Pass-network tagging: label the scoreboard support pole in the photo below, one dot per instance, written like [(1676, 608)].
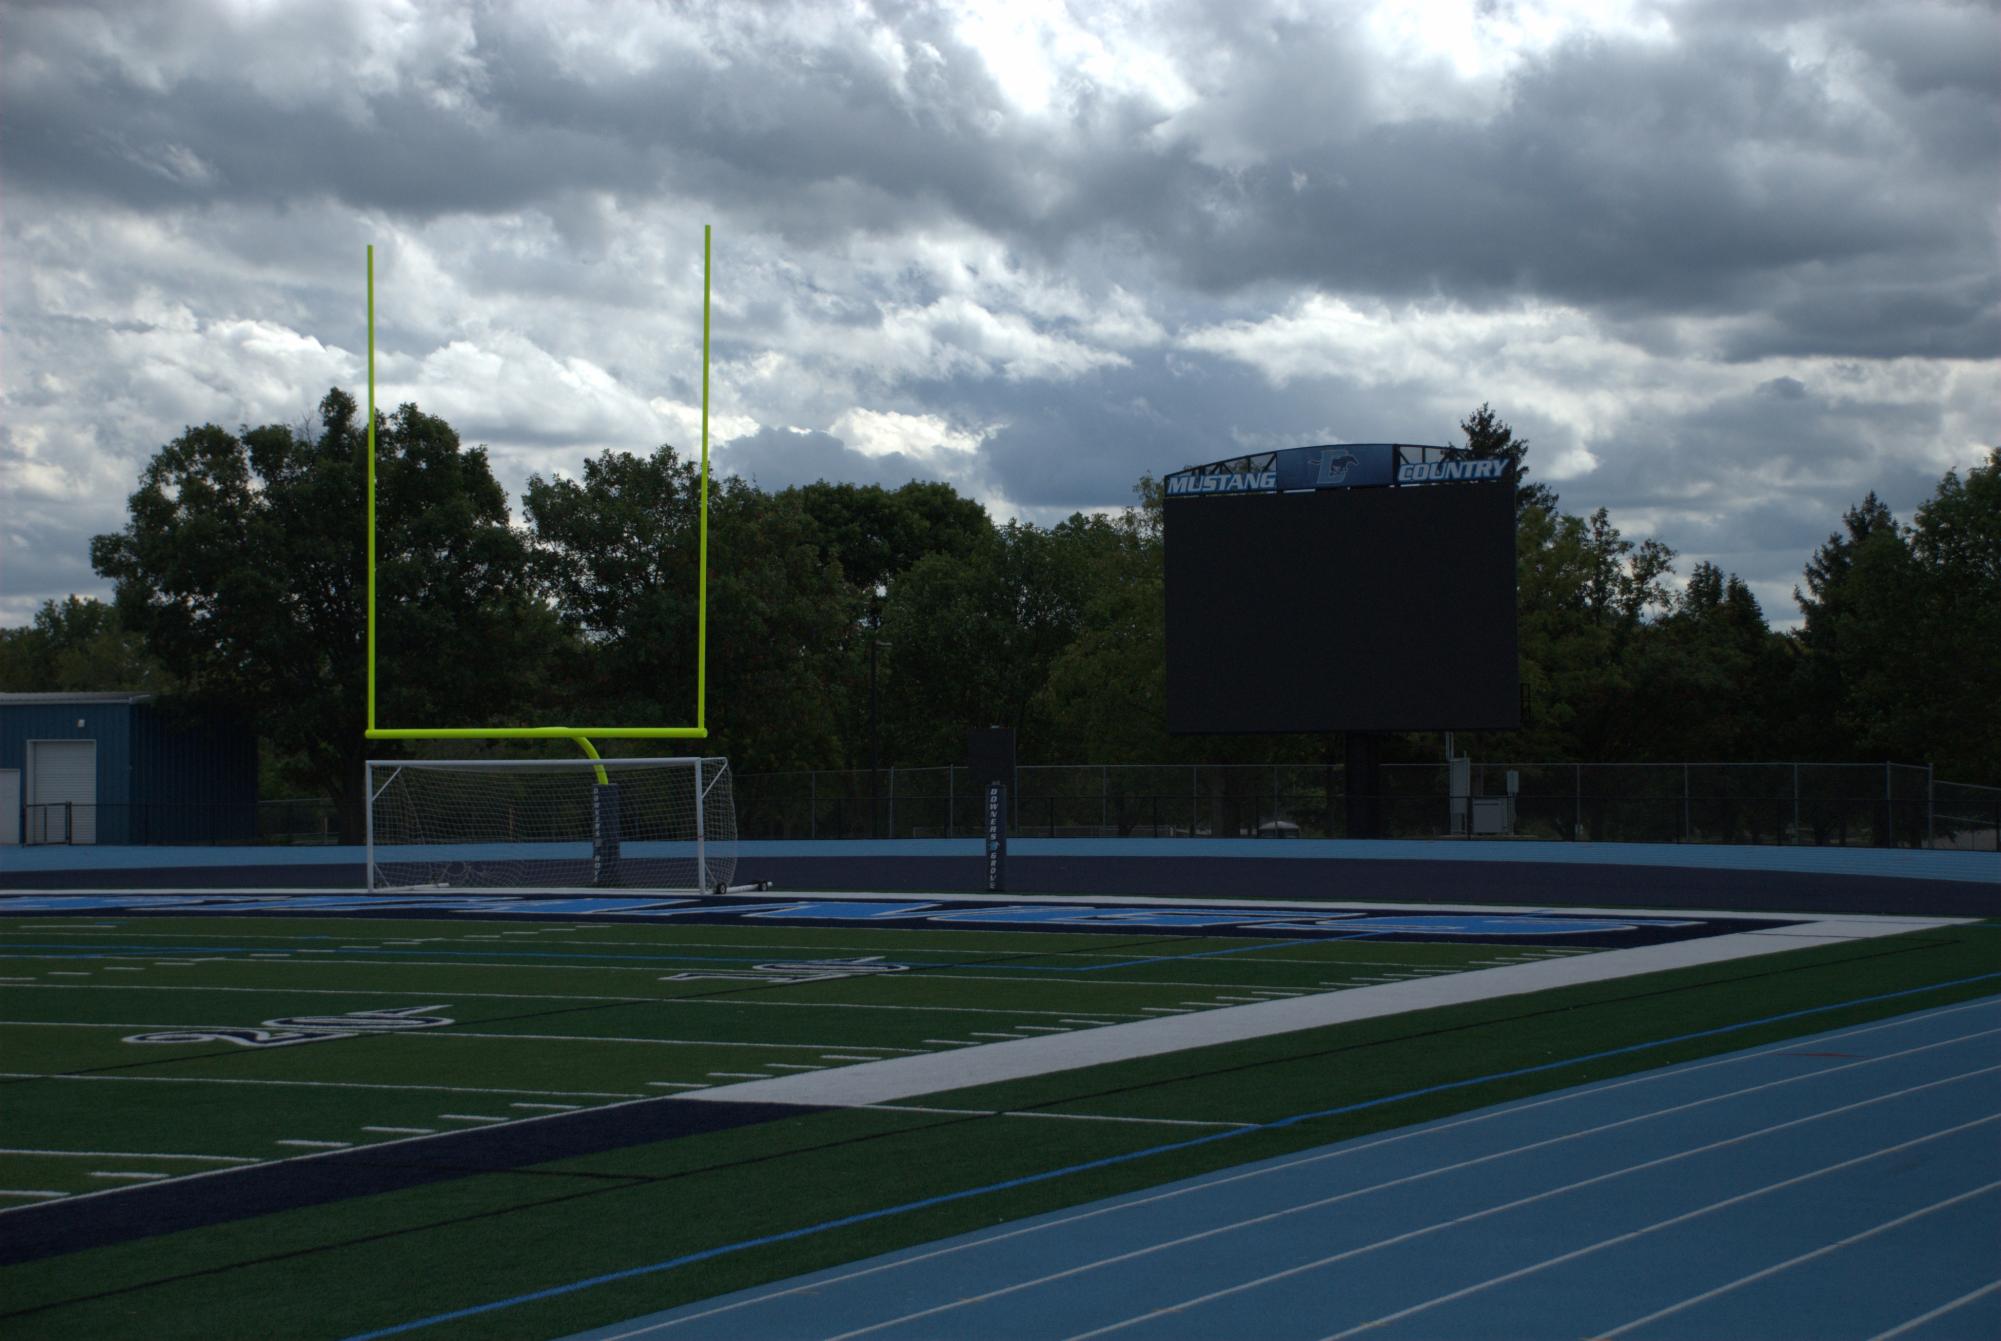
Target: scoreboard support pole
[(1364, 783)]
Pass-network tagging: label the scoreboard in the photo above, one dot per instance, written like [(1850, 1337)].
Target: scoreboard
[(1360, 587)]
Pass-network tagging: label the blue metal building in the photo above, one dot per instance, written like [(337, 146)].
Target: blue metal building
[(121, 768)]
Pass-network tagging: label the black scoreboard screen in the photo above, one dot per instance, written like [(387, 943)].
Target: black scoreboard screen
[(1348, 609)]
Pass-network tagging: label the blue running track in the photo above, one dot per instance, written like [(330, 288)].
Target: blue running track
[(1845, 1185)]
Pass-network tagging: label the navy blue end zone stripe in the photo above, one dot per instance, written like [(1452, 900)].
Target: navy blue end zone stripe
[(120, 1215), (1083, 915)]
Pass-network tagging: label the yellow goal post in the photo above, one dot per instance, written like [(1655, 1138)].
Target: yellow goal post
[(581, 735)]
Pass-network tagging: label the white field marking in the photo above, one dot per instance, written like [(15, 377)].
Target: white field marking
[(947, 1043), (987, 1033), (918, 1108), (1108, 1117), (1041, 1028), (1683, 1218), (403, 1131), (677, 1084), (472, 1117), (1093, 1023), (742, 1075), (24, 1192), (65, 973), (1268, 1168), (559, 1108), (1791, 1262), (856, 1005), (794, 1066), (1948, 1306), (319, 1145), (316, 1084), (120, 968), (853, 1056), (130, 1154), (910, 1077), (1482, 1214), (599, 1038), (1239, 998), (357, 991), (130, 1177), (1165, 1010)]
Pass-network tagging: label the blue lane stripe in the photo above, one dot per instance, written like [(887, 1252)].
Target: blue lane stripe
[(863, 1217)]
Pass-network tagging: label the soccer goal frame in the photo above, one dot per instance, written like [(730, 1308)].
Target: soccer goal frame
[(580, 735), (550, 825)]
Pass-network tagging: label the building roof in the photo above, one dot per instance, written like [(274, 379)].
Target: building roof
[(78, 696)]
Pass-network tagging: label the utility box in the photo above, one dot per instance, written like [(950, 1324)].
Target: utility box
[(122, 768)]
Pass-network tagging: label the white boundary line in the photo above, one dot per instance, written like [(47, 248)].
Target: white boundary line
[(936, 1073), (1948, 1306)]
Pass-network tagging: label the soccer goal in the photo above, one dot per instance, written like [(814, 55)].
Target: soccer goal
[(551, 824)]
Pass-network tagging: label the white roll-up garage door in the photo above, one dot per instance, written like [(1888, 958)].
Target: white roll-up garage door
[(62, 771)]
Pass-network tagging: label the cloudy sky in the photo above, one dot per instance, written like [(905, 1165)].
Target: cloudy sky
[(1727, 264)]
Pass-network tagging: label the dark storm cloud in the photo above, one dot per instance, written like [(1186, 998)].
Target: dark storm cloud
[(1702, 175)]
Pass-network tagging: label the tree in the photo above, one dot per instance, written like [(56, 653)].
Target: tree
[(1898, 649), (618, 551), (1488, 437), (78, 644), (242, 566), (876, 533)]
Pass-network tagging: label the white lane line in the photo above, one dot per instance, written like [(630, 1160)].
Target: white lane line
[(1108, 1117), (134, 1177), (1041, 1029), (941, 1042), (678, 1084), (471, 1117), (793, 1066), (403, 1131), (1791, 1262), (128, 1154), (855, 1057), (1948, 1306), (1353, 1193), (26, 1192), (65, 973), (554, 1108), (315, 1084), (317, 1145), (988, 1033), (1672, 1220), (742, 1075), (1362, 1146)]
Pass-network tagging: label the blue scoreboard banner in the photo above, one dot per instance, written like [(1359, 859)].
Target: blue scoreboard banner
[(1352, 465)]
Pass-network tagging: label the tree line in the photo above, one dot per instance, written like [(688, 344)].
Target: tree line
[(850, 622)]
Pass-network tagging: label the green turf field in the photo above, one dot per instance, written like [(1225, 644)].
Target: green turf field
[(549, 1018)]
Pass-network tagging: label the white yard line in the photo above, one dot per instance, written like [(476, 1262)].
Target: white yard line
[(933, 1073), (311, 1084), (128, 1154)]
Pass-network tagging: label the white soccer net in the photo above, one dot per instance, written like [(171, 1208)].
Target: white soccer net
[(550, 824)]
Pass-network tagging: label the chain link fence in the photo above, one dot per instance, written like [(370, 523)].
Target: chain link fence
[(1823, 805)]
